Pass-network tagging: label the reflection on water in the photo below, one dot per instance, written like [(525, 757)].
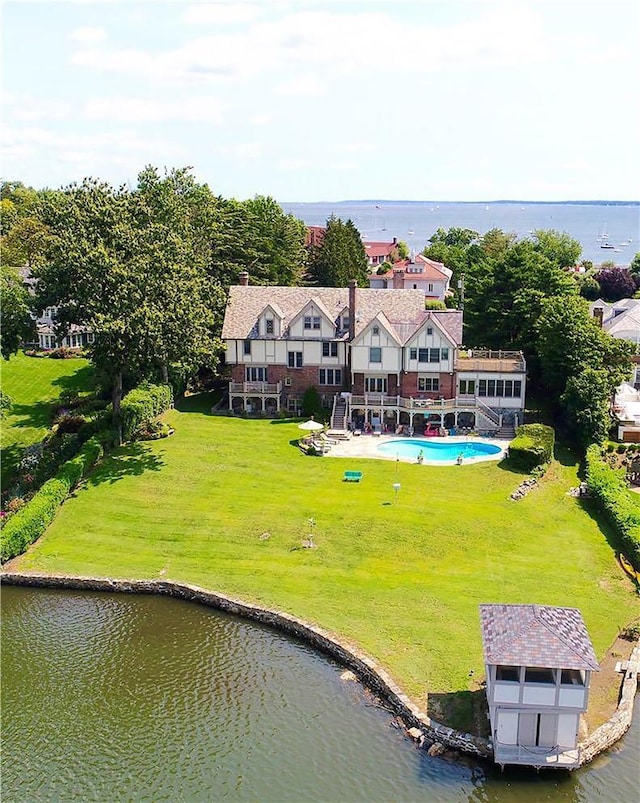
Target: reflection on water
[(112, 697)]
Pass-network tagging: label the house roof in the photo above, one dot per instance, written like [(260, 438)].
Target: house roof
[(536, 635), (377, 249), (404, 309), (429, 269)]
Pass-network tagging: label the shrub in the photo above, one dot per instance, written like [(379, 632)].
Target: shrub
[(143, 403), (5, 404), (532, 446), (609, 488), (30, 521), (70, 423), (312, 403)]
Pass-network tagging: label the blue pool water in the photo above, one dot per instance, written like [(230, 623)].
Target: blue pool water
[(410, 448)]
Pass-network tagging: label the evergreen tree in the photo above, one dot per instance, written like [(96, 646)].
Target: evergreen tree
[(340, 257)]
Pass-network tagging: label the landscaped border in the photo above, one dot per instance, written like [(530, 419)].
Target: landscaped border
[(375, 678)]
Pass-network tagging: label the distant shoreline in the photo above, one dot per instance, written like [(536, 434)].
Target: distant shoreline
[(504, 202)]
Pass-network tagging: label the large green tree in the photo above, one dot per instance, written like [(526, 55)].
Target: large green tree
[(340, 256), (16, 323), (131, 265)]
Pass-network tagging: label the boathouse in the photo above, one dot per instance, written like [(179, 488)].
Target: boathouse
[(538, 663)]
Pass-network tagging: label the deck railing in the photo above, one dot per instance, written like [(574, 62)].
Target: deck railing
[(259, 388)]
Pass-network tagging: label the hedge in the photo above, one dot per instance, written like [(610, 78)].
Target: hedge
[(609, 488), (143, 404), (28, 524), (532, 446)]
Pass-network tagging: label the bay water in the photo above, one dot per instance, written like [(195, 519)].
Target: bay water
[(415, 221), (114, 697)]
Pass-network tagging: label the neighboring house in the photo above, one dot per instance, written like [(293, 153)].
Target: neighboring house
[(314, 235), (538, 664), (416, 273), (375, 357), (77, 337), (377, 253), (621, 319)]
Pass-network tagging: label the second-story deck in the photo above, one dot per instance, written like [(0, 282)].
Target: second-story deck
[(487, 360)]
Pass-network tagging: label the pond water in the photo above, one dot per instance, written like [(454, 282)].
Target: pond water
[(112, 697), (439, 451)]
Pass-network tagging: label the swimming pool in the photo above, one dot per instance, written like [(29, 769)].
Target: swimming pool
[(440, 451)]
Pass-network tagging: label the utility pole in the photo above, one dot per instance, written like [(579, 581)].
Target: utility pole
[(461, 288)]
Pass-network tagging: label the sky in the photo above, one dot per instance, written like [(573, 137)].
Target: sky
[(327, 101)]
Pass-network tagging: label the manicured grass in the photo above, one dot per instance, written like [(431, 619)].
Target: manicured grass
[(402, 580), (32, 384)]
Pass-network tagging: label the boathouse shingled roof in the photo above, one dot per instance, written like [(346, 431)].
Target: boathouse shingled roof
[(537, 636)]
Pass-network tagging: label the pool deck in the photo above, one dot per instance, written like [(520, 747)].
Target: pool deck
[(367, 446)]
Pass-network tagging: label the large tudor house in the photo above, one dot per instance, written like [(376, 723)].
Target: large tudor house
[(376, 357)]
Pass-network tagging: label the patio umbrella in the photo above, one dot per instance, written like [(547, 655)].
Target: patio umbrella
[(311, 426)]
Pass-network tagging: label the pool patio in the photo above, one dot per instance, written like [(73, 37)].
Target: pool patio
[(367, 446)]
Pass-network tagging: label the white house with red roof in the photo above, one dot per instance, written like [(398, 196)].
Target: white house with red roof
[(538, 663), (416, 273), (378, 252)]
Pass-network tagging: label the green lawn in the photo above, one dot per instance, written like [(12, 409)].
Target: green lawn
[(32, 384), (403, 580)]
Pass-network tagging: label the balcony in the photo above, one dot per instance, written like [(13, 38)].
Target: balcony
[(488, 360), (255, 388)]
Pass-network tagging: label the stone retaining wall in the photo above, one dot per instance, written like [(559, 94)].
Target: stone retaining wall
[(609, 733), (366, 669)]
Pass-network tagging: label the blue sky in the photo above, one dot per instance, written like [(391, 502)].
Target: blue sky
[(310, 101)]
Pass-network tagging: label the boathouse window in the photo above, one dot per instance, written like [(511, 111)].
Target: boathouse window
[(508, 673), (572, 677), (536, 674)]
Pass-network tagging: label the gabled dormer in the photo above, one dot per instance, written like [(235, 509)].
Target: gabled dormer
[(313, 321), (270, 322), (342, 321), (379, 331)]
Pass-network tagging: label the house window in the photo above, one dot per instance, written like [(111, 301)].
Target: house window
[(571, 677), (269, 325), (316, 321), (375, 354), (467, 387), (375, 384), (428, 383), (482, 387), (329, 349), (510, 674), (247, 347), (307, 321), (430, 287), (294, 406), (415, 286), (536, 674), (517, 388), (90, 337), (330, 376), (256, 373), (429, 330), (434, 355), (444, 354), (376, 330), (413, 354), (345, 321), (423, 355), (294, 359)]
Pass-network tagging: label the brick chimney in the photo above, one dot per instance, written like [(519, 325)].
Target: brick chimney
[(352, 308), (398, 279), (243, 278), (597, 314)]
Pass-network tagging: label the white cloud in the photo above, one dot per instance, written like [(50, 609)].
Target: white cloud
[(88, 36), (221, 13), (260, 119), (301, 85), (145, 110), (26, 108), (339, 43), (242, 151)]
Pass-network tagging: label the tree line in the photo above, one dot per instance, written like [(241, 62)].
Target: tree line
[(147, 268)]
